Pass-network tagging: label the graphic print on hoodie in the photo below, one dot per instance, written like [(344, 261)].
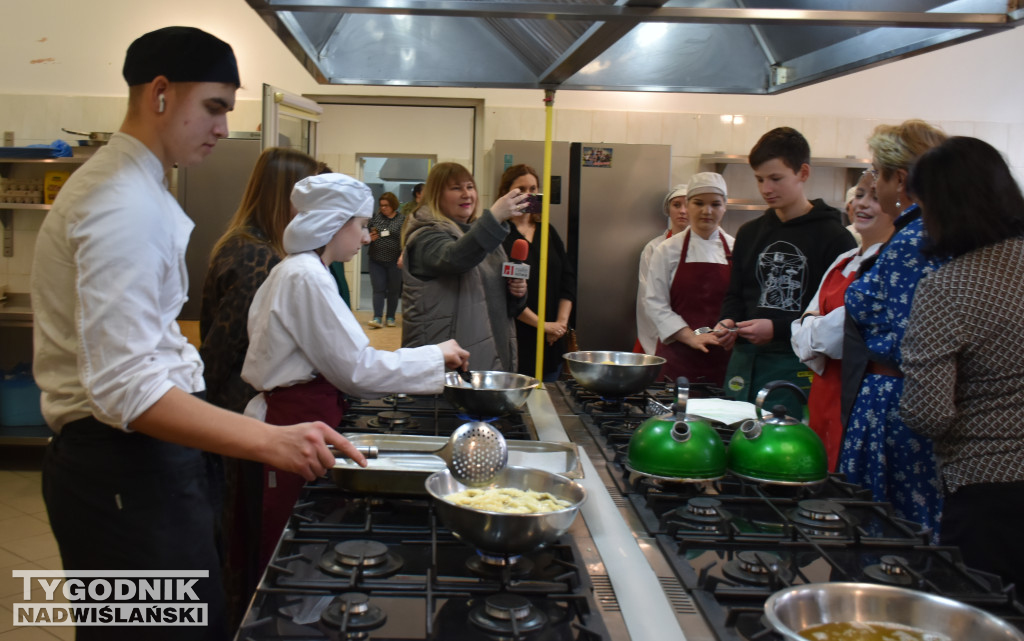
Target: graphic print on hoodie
[(782, 275)]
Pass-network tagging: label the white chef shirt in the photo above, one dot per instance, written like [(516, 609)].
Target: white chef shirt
[(815, 338), (664, 263), (108, 282), (299, 326), (646, 332)]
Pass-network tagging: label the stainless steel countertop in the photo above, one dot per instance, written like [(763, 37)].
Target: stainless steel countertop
[(640, 576)]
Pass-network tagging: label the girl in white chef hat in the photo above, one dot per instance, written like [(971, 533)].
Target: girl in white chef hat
[(306, 348)]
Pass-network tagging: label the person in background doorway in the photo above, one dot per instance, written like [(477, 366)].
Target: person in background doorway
[(779, 259), (674, 208), (962, 355), (385, 250), (879, 451), (561, 282), (126, 484), (817, 336), (686, 284), (239, 263), (307, 350), (452, 282), (417, 199), (407, 210)]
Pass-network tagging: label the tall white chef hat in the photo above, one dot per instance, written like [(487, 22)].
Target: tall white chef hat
[(677, 191), (325, 203)]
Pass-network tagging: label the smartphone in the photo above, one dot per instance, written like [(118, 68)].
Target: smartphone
[(533, 203)]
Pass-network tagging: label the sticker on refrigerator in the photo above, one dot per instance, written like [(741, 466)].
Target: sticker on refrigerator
[(597, 156)]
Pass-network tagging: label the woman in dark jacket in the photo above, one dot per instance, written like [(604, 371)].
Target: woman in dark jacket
[(561, 283)]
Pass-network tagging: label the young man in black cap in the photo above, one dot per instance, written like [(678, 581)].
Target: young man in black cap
[(123, 486)]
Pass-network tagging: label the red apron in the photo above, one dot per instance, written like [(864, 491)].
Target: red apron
[(696, 295), (823, 401), (315, 400)]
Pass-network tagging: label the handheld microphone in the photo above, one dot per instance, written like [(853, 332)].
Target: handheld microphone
[(517, 267)]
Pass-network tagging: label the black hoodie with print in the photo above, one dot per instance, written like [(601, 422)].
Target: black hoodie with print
[(778, 266)]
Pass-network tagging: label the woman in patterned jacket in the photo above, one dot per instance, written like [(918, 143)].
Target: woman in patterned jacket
[(962, 355), (878, 450)]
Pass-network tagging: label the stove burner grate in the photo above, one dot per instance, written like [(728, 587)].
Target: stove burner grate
[(392, 419), (508, 614), (497, 566), (702, 513), (757, 568), (370, 558), (891, 569), (352, 611)]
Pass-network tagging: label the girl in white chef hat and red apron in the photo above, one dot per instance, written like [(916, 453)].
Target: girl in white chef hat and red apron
[(306, 348), (686, 283)]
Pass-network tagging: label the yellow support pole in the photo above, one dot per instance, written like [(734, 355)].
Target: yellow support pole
[(545, 214)]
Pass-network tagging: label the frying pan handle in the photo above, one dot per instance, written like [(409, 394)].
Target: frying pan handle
[(369, 451)]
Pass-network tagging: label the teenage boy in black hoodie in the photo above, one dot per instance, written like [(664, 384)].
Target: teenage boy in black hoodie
[(778, 262)]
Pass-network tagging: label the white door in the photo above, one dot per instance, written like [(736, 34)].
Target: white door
[(289, 120)]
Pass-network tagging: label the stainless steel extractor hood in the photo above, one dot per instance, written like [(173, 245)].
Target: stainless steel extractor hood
[(715, 46)]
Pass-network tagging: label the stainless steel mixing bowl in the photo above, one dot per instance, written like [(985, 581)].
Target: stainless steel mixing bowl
[(800, 607), (489, 394), (502, 533), (613, 374)]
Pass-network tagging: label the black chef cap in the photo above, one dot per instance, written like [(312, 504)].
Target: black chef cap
[(181, 54)]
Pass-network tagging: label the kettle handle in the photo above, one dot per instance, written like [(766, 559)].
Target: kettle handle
[(769, 388), (682, 396)]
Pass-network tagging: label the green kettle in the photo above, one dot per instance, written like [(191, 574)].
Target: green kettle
[(778, 449), (677, 446)]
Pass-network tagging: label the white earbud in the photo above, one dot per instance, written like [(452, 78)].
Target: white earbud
[(163, 103)]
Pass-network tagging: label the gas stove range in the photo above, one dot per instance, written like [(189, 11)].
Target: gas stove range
[(422, 415), (357, 567), (373, 566), (732, 543)]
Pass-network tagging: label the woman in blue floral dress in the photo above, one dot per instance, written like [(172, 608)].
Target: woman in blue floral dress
[(879, 452)]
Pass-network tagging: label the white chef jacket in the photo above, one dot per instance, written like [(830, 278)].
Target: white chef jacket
[(299, 326), (646, 332), (108, 283), (815, 338), (664, 262)]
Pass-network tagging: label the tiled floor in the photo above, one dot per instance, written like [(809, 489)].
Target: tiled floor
[(25, 538)]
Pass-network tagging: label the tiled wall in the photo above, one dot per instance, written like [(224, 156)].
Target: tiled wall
[(38, 119)]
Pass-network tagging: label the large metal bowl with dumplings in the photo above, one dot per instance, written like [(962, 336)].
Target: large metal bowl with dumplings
[(488, 394), (854, 605), (613, 374), (500, 532)]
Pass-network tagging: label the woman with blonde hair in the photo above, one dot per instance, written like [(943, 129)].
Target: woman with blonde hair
[(452, 282), (878, 450), (239, 263)]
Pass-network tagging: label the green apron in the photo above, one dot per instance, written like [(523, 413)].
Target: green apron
[(751, 367)]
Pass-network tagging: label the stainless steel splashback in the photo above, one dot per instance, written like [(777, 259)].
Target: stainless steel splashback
[(716, 46)]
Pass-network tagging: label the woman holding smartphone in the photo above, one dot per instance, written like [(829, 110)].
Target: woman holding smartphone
[(561, 280)]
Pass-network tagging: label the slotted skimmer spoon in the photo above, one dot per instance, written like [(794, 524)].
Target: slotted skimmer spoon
[(474, 453)]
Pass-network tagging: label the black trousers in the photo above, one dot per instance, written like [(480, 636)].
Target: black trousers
[(985, 521), (126, 501)]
